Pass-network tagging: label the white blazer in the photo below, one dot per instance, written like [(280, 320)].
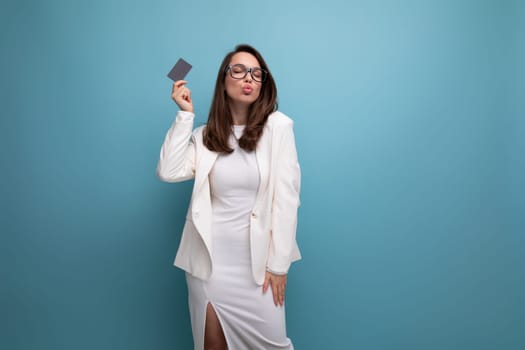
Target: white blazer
[(273, 223)]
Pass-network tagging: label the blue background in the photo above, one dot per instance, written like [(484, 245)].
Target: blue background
[(410, 126)]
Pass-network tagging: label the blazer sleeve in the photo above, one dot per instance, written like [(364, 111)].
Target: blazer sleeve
[(177, 154), (286, 202)]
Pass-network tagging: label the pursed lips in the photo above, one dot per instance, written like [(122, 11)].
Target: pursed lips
[(247, 89)]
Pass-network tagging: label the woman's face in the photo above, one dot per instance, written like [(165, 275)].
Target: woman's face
[(243, 91)]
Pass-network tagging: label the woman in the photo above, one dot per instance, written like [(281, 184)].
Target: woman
[(239, 237)]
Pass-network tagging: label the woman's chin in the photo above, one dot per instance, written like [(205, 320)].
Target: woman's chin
[(244, 100)]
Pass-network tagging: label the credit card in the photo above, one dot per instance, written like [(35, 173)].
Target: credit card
[(179, 70)]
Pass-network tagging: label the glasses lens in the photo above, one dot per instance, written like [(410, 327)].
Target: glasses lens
[(238, 71), (258, 75)]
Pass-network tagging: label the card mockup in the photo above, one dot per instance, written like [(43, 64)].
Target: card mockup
[(179, 70)]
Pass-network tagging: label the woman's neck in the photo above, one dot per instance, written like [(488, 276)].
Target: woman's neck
[(239, 114)]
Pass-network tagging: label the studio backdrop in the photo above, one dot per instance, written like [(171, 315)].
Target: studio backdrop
[(409, 123)]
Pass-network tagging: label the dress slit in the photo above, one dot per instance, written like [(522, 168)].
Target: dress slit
[(219, 318)]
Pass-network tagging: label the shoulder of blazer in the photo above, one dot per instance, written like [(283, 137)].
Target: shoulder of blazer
[(197, 135), (279, 120), (199, 130)]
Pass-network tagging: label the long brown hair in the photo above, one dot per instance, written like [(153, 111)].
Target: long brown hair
[(219, 126)]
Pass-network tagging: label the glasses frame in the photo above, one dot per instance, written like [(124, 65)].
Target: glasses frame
[(246, 71)]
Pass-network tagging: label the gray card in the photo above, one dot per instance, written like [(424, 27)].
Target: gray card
[(179, 70)]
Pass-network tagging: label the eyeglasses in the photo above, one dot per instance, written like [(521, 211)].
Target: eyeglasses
[(239, 71)]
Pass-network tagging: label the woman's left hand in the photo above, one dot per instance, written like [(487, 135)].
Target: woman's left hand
[(278, 286)]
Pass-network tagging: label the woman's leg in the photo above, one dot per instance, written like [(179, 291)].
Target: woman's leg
[(213, 334)]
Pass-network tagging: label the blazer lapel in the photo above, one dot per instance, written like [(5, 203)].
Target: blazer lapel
[(262, 154), (206, 163)]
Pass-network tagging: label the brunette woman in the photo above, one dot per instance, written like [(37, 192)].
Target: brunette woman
[(239, 237)]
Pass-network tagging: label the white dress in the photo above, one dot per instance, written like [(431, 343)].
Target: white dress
[(249, 318)]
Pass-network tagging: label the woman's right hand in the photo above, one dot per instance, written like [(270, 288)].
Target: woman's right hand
[(182, 96)]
